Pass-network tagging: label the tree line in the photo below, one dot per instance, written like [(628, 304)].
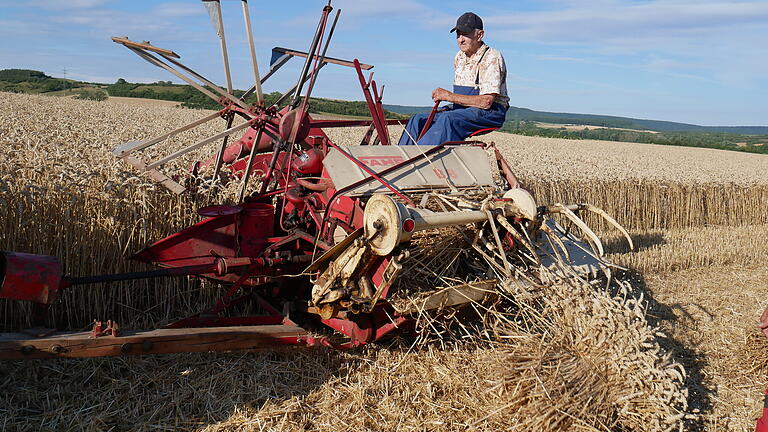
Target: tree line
[(716, 140)]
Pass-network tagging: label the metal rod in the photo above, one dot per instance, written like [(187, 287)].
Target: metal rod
[(173, 271), (271, 169), (291, 91), (252, 47), (155, 61), (380, 112), (250, 163), (167, 135), (377, 120), (337, 61), (428, 123), (321, 60), (209, 83), (275, 66), (197, 145), (222, 148), (317, 68), (311, 54)]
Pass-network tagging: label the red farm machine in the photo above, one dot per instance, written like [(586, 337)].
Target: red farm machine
[(320, 244)]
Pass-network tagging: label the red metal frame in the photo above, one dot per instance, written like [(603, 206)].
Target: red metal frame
[(256, 250)]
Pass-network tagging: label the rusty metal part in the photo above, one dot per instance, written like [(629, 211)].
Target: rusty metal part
[(29, 277), (110, 328)]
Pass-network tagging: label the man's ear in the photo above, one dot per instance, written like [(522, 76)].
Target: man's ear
[(480, 34)]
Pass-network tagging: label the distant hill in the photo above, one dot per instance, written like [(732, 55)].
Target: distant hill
[(525, 114), (522, 121)]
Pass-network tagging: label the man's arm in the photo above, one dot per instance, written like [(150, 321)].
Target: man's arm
[(483, 101)]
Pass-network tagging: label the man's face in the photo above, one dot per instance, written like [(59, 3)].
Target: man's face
[(469, 42)]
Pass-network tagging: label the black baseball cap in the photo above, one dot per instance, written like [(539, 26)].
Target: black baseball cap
[(468, 22)]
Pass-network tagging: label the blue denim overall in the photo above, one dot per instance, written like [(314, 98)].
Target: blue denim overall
[(456, 122)]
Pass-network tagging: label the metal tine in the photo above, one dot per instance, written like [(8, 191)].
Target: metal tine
[(197, 145), (513, 232), (558, 259), (553, 235), (252, 47), (565, 211), (118, 152), (157, 62), (496, 237), (611, 220), (321, 60), (310, 56)]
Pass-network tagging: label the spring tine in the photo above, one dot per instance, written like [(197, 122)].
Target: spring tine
[(553, 235), (565, 211), (518, 238), (612, 221), (498, 241)]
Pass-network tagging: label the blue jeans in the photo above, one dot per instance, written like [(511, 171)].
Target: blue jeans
[(454, 124)]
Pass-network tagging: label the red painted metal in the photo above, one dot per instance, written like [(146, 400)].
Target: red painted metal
[(28, 277), (428, 124), (218, 210), (260, 248), (213, 237), (376, 116), (256, 224), (360, 331), (762, 422), (482, 132), (350, 123)]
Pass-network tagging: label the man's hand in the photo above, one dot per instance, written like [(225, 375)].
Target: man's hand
[(440, 94), (764, 322)]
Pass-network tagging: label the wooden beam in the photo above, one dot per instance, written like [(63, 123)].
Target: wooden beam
[(326, 60), (155, 174), (129, 43), (18, 346)]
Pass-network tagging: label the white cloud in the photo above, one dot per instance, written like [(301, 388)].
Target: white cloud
[(628, 23), (65, 4), (178, 9)]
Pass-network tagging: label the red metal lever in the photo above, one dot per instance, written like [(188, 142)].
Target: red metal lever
[(428, 124)]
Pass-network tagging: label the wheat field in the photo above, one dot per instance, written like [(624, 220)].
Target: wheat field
[(697, 215)]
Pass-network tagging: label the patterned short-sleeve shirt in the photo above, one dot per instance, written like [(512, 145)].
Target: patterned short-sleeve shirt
[(485, 70)]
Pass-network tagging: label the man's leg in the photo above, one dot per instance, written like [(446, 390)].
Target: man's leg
[(457, 124), (414, 126)]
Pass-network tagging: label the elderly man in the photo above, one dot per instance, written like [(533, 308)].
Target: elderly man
[(479, 93)]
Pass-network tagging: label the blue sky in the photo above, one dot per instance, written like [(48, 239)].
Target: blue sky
[(702, 62)]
